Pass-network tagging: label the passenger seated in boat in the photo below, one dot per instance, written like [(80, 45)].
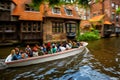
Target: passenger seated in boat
[(81, 44), (35, 50), (44, 49), (23, 55), (67, 46), (74, 45), (58, 47), (55, 45), (70, 44), (54, 50), (28, 48), (48, 47), (17, 53), (28, 51), (62, 48), (10, 57), (49, 50)]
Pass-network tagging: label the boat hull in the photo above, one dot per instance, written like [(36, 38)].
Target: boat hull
[(45, 58)]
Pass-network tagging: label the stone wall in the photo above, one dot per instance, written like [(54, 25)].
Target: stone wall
[(48, 36)]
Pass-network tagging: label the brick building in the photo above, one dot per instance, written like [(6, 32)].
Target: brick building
[(111, 20), (60, 23), (26, 23)]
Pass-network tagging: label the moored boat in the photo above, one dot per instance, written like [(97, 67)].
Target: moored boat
[(47, 57)]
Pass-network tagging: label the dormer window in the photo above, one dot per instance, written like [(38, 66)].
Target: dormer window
[(117, 18), (56, 10), (69, 12), (113, 5), (30, 8)]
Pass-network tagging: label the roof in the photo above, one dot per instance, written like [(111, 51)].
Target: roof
[(84, 23), (45, 11), (26, 15), (96, 18), (63, 14), (107, 22)]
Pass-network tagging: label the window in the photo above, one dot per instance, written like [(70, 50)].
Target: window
[(9, 28), (39, 28), (113, 5), (116, 7), (113, 16), (4, 5), (34, 26), (68, 11), (30, 8), (57, 27), (117, 18), (71, 27), (24, 27), (56, 10), (7, 5), (31, 27)]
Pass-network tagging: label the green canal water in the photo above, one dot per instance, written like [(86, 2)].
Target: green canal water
[(102, 62)]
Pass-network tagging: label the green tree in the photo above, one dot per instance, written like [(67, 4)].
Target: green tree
[(56, 2), (118, 10)]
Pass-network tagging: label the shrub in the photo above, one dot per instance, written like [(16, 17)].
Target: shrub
[(88, 36)]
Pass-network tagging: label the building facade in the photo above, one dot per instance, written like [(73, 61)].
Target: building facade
[(29, 20), (62, 23), (108, 9), (26, 23), (7, 26)]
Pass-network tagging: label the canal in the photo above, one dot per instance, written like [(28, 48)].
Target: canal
[(102, 62)]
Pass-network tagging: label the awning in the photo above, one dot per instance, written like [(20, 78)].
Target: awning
[(107, 22), (96, 18)]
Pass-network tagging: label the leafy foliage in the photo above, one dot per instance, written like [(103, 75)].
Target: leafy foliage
[(56, 2), (84, 3), (118, 10), (88, 36)]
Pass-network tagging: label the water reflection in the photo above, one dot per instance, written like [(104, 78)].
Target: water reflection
[(102, 62)]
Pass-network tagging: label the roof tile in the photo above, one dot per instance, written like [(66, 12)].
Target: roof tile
[(46, 9), (26, 15), (63, 14)]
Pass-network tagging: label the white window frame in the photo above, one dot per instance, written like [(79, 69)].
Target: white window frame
[(67, 12), (113, 5), (57, 11)]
